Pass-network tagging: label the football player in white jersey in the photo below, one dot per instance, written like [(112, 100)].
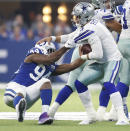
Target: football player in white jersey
[(123, 84), (31, 81), (104, 13), (124, 42), (106, 56)]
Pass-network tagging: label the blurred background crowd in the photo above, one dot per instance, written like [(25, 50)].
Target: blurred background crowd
[(24, 22), (34, 20)]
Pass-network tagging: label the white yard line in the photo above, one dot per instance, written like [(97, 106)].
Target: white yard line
[(75, 116)]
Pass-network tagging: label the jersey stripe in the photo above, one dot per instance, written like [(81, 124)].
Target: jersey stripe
[(84, 36), (109, 17), (81, 34)]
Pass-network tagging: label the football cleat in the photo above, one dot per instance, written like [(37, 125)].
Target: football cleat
[(89, 119), (87, 122), (45, 119), (125, 122), (20, 109), (112, 115)]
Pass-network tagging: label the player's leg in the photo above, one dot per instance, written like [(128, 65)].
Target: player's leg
[(111, 70), (15, 97), (89, 75), (123, 85), (41, 89), (123, 88), (68, 89)]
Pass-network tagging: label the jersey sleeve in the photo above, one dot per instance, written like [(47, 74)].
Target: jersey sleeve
[(65, 38), (108, 16), (83, 36), (118, 10)]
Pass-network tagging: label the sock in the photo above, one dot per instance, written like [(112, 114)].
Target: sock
[(110, 88), (123, 89), (45, 108), (16, 100), (53, 109), (85, 97), (104, 98), (46, 97), (114, 94), (63, 95)]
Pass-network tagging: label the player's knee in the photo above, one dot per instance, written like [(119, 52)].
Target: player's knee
[(46, 85), (8, 100)]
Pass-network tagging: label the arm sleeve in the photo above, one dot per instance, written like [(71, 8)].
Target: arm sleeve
[(64, 38), (97, 51), (108, 16)]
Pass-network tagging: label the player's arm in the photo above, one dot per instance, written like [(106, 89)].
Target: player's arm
[(64, 68), (97, 50), (111, 23), (58, 39), (114, 25), (46, 59)]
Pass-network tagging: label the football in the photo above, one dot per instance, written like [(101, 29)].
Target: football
[(86, 49)]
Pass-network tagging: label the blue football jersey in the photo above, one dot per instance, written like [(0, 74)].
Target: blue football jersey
[(29, 73)]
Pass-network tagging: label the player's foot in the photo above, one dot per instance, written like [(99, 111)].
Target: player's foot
[(89, 119), (20, 109), (112, 115), (45, 119), (122, 119), (87, 122), (123, 122)]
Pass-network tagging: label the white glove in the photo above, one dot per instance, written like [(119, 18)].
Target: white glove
[(70, 44)]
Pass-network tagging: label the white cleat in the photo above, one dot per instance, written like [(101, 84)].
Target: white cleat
[(121, 123), (89, 120), (20, 109), (112, 115)]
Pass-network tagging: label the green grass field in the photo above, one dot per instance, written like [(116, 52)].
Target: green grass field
[(72, 105)]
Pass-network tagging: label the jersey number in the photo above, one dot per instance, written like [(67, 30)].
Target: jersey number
[(39, 71), (124, 19)]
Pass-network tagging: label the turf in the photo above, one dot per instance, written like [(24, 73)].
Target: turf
[(13, 125), (73, 104)]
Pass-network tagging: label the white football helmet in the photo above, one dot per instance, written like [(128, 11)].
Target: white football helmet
[(46, 48), (84, 11)]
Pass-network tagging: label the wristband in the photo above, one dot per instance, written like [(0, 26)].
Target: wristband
[(84, 57), (53, 38)]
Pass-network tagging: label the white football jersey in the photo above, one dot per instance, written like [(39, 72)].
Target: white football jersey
[(103, 14), (109, 47), (125, 20)]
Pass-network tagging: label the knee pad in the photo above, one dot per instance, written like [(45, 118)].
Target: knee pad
[(8, 100)]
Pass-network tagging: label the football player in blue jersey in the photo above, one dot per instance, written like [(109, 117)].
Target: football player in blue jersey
[(31, 81)]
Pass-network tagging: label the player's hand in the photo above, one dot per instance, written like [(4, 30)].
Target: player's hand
[(46, 39), (80, 51), (70, 44)]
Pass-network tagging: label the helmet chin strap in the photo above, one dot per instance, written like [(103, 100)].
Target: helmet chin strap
[(78, 25)]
